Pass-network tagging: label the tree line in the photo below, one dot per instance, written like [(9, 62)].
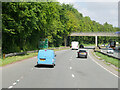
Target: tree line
[(24, 24)]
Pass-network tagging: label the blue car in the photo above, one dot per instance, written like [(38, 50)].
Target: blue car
[(46, 57)]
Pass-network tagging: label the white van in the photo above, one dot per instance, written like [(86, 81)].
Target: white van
[(75, 45)]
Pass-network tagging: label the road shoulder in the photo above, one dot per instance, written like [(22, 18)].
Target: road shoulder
[(109, 68)]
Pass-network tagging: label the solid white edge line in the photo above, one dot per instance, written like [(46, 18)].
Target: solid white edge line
[(73, 75), (10, 87), (102, 66)]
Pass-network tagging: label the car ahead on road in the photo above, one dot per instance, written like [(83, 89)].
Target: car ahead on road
[(108, 46), (46, 57), (81, 46), (110, 50), (82, 53)]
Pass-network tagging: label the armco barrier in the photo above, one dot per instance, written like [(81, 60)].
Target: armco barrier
[(22, 53), (108, 55)]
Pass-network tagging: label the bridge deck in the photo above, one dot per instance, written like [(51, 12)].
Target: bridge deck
[(94, 34)]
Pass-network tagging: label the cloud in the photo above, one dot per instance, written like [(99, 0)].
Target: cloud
[(71, 1), (99, 11)]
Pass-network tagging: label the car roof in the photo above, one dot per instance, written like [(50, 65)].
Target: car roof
[(47, 50)]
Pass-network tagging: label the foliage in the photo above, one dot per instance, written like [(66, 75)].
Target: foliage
[(24, 24)]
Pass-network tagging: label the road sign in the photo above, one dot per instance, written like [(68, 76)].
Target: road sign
[(43, 44)]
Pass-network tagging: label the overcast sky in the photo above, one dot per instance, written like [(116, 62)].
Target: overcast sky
[(98, 10)]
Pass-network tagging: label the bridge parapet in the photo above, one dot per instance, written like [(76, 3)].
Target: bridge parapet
[(94, 34)]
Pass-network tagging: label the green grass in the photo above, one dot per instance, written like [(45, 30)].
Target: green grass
[(108, 59), (89, 44), (13, 59)]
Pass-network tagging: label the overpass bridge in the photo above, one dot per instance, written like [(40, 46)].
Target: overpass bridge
[(96, 34)]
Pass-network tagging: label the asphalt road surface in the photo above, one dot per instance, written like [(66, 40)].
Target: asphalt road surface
[(69, 72)]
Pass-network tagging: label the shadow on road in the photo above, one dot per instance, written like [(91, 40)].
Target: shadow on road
[(43, 66), (81, 57)]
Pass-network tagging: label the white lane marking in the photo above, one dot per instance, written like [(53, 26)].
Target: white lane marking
[(14, 83), (32, 69), (18, 80), (70, 67), (73, 75), (10, 87), (70, 59), (102, 66)]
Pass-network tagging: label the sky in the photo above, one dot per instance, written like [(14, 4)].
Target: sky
[(98, 10)]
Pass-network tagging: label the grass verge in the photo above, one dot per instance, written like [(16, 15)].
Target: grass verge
[(108, 59), (13, 59), (89, 44)]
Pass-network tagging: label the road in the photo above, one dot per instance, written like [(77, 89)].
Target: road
[(69, 72), (115, 54)]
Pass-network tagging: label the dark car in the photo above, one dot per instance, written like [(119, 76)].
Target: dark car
[(82, 53), (81, 46)]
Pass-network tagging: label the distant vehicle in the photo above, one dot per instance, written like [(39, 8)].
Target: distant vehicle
[(82, 53), (75, 45), (110, 50), (46, 57), (81, 46), (103, 45), (113, 44)]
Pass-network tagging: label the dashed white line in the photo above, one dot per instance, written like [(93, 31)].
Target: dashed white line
[(73, 75), (102, 66), (70, 67), (18, 80), (10, 87), (14, 83)]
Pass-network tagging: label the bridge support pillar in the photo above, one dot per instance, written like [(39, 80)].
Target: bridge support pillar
[(96, 41), (65, 41)]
